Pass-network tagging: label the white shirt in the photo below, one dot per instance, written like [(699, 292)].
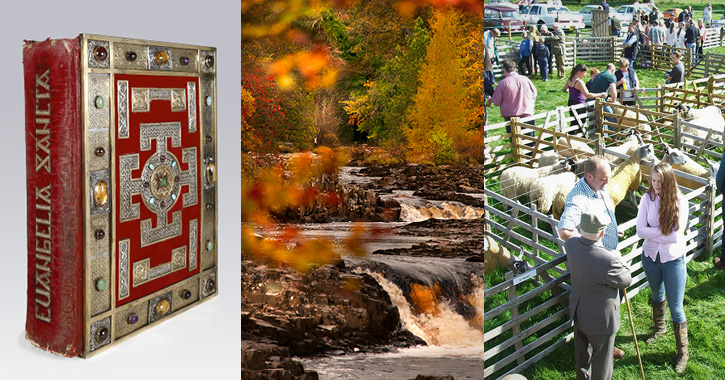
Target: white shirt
[(681, 39), (707, 14), (670, 38)]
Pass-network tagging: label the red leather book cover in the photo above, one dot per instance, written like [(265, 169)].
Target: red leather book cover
[(54, 185)]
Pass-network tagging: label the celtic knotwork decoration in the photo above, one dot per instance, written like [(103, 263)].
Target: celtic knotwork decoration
[(143, 272), (160, 182), (122, 109), (123, 253), (142, 98), (191, 93)]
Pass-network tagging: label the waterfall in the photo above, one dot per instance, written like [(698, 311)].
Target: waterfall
[(440, 302), (416, 209)]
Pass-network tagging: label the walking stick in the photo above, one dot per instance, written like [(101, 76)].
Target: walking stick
[(634, 335)]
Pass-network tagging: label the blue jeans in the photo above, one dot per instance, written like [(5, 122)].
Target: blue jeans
[(692, 48), (673, 275), (543, 67)]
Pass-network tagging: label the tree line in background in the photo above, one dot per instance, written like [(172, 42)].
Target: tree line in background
[(405, 75)]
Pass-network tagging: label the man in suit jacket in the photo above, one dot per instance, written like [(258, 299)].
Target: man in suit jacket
[(597, 274)]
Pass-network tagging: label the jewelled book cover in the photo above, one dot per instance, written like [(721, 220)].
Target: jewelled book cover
[(121, 186)]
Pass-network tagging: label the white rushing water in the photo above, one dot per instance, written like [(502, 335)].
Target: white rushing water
[(416, 209)]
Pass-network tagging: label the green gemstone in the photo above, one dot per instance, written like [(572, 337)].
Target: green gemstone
[(101, 284), (209, 245), (163, 181), (100, 102), (208, 100)]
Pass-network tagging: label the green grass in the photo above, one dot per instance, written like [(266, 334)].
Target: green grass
[(704, 305), (550, 94)]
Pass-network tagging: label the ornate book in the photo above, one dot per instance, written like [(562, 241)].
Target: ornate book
[(121, 182)]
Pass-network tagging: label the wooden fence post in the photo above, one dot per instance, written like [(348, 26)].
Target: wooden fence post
[(711, 213), (707, 64), (677, 130), (660, 101), (516, 330), (516, 138), (598, 110)]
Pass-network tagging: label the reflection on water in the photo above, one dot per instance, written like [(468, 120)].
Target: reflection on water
[(380, 234), (463, 363)]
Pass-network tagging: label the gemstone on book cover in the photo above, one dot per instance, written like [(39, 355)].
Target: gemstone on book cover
[(159, 307), (100, 333)]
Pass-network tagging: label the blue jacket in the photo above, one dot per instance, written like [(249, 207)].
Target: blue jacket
[(525, 48), (541, 51), (720, 176)]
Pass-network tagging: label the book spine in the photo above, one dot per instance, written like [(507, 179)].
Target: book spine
[(54, 144)]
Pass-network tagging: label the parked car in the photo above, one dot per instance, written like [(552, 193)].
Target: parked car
[(540, 14), (676, 11), (505, 3), (586, 13), (503, 18), (626, 13)]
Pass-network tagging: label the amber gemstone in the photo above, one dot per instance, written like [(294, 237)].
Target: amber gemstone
[(162, 307), (100, 53), (161, 58), (131, 56), (100, 193)]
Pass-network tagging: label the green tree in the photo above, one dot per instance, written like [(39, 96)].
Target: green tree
[(440, 106), (380, 110)]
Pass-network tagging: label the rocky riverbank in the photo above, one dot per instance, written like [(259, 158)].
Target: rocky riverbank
[(328, 310)]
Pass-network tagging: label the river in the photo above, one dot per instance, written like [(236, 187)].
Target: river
[(455, 343)]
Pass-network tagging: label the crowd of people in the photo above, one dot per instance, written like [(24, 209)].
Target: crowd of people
[(541, 49)]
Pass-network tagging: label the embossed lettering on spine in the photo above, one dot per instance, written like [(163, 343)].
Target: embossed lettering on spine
[(54, 167), (43, 213)]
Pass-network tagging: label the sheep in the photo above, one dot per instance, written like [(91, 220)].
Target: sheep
[(549, 158), (633, 140), (549, 193), (631, 118), (496, 255), (708, 117), (683, 163), (627, 175), (577, 150), (516, 181)]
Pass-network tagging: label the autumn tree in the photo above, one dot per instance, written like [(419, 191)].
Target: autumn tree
[(439, 115)]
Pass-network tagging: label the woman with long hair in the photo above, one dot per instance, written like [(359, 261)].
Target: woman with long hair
[(671, 35), (661, 222), (579, 93), (681, 36)]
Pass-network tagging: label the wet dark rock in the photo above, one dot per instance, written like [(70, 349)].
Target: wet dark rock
[(428, 377), (327, 310)]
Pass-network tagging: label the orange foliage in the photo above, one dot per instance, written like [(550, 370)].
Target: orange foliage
[(279, 187)]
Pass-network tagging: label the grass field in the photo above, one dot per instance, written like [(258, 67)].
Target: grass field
[(704, 306)]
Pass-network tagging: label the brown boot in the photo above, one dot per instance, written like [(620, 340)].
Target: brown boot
[(682, 342), (659, 327)]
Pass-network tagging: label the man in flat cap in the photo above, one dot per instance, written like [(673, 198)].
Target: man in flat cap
[(597, 274)]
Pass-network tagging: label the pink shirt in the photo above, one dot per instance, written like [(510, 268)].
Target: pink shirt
[(516, 95), (670, 247)]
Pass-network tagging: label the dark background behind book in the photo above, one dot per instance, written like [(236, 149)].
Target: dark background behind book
[(202, 342)]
